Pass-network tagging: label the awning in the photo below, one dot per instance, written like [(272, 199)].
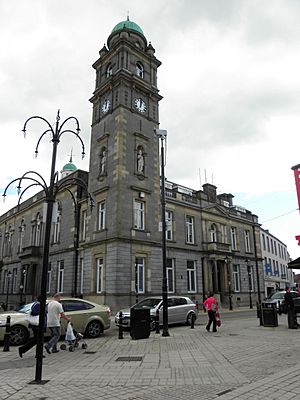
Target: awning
[(295, 264)]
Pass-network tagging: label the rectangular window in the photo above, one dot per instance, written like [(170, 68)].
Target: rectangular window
[(268, 244), (139, 215), (101, 215), (83, 225), (270, 264), (247, 241), (223, 233), (140, 275), (14, 280), (275, 248), (169, 225), (250, 278), (99, 275), (264, 241), (190, 235), (233, 234), (49, 276), (5, 281), (60, 276), (191, 276), (170, 275), (236, 278), (81, 270)]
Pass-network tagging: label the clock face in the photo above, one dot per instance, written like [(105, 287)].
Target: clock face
[(140, 105), (105, 106)]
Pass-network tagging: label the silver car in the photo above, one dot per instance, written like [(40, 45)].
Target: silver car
[(181, 310), (278, 297)]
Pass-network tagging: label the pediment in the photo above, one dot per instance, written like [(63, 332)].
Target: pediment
[(215, 209)]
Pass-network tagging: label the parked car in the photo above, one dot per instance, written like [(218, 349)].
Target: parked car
[(180, 310), (278, 297), (88, 318)]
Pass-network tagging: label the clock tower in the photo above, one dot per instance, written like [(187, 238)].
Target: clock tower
[(124, 242)]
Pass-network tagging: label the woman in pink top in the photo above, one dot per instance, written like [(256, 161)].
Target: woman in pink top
[(211, 307)]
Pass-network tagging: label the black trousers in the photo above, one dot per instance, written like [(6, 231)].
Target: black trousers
[(212, 320), (292, 320), (32, 341)]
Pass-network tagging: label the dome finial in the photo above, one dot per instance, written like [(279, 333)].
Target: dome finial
[(127, 15)]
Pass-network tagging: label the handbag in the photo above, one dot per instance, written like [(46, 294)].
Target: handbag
[(218, 319), (33, 319)]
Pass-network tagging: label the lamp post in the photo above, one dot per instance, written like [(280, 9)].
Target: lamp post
[(259, 313), (34, 178), (249, 283), (162, 135), (227, 263), (8, 276)]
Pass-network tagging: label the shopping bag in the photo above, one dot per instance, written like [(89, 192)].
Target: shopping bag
[(69, 333), (218, 319), (33, 319)]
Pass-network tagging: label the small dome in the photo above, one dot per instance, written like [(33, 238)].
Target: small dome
[(69, 167), (128, 25)]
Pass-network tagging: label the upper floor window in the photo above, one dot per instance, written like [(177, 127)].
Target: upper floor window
[(247, 241), (213, 233), (268, 244), (233, 238), (37, 230), (56, 227), (83, 224), (223, 233), (139, 215), (190, 234), (139, 70), (264, 242), (21, 235), (109, 71), (101, 215), (169, 225)]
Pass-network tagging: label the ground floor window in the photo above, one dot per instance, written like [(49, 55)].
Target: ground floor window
[(60, 276), (99, 275), (140, 275), (170, 275), (236, 278), (191, 276)]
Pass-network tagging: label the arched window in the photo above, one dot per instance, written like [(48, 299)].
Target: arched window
[(37, 230), (139, 70), (109, 71), (57, 223), (213, 233)]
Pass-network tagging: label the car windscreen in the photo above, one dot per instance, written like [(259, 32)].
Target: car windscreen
[(277, 296), (25, 308), (147, 303)]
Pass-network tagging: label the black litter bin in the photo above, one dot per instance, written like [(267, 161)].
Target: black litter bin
[(140, 323), (269, 314)]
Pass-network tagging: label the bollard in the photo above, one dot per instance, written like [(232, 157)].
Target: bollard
[(157, 322), (193, 317), (121, 325), (7, 334)]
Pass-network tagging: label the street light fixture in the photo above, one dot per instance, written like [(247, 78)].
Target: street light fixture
[(162, 135), (227, 263), (33, 178), (8, 276), (249, 282)]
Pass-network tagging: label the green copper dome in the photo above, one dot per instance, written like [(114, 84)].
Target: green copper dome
[(129, 25), (70, 167)]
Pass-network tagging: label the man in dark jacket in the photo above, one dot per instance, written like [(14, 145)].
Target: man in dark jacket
[(291, 317)]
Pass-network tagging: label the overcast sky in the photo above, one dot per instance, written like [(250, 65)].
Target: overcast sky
[(229, 78)]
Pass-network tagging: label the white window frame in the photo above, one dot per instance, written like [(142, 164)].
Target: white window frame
[(14, 280), (191, 276), (60, 276), (101, 215), (139, 215), (139, 69), (233, 234), (99, 275), (236, 275), (84, 224), (109, 70), (170, 275), (247, 241), (140, 275), (22, 235), (224, 233), (169, 225), (190, 231), (49, 278), (250, 278), (56, 230)]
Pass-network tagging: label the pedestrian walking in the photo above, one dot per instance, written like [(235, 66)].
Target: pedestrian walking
[(55, 313), (33, 319), (211, 306), (290, 306)]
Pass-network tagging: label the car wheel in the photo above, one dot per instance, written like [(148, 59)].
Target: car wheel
[(189, 318), (94, 329), (18, 335)]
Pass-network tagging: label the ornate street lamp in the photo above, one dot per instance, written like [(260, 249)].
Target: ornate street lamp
[(162, 135), (227, 263), (33, 178), (249, 282)]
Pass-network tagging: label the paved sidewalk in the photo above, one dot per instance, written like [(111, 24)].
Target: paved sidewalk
[(242, 361)]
